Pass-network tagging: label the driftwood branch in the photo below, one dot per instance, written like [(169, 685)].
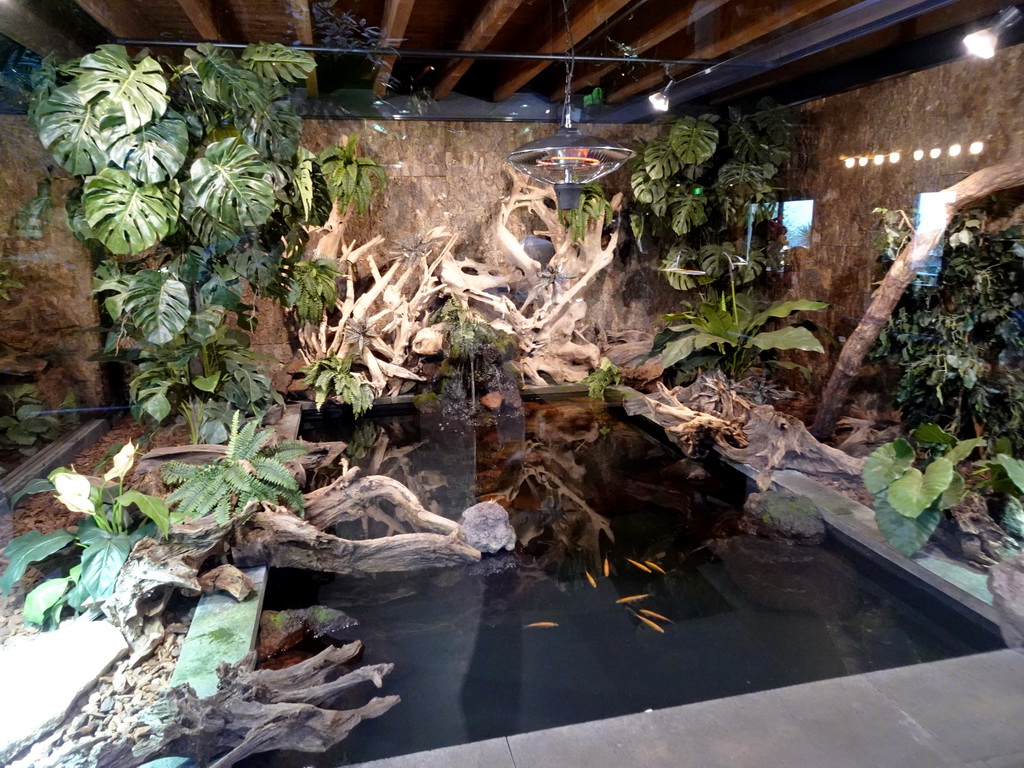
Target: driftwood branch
[(903, 271)]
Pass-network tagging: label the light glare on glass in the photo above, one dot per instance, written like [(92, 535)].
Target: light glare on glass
[(850, 162), (935, 153), (981, 44), (918, 154), (954, 150), (976, 147), (894, 157), (879, 159), (862, 161), (659, 101)]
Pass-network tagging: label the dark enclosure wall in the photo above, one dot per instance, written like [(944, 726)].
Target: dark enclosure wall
[(967, 101)]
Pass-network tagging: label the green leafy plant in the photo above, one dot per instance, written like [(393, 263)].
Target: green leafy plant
[(727, 334), (332, 377), (909, 501), (25, 421), (106, 536), (607, 374), (593, 207), (957, 335), (251, 470), (192, 179)]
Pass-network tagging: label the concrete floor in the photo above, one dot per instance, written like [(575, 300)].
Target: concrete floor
[(958, 713)]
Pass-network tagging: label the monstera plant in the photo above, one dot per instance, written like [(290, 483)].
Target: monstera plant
[(194, 188)]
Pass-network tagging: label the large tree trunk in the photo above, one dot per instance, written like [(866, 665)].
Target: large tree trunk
[(971, 190)]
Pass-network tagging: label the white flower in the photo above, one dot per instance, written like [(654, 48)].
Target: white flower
[(122, 462), (73, 492)]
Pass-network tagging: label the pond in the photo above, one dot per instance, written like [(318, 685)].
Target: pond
[(475, 656)]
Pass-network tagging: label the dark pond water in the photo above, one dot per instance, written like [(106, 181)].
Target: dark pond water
[(583, 487)]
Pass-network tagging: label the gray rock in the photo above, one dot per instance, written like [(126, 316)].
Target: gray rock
[(1006, 583), (1012, 520), (785, 515), (486, 527), (49, 672)]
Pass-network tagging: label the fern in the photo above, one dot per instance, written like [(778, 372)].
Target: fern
[(351, 180), (250, 470), (315, 288), (333, 377), (594, 206), (607, 375)]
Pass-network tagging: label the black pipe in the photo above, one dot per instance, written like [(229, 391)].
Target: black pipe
[(445, 54)]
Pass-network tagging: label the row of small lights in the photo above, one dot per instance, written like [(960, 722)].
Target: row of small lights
[(976, 148)]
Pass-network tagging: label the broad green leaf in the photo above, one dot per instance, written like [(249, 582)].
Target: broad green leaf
[(101, 563), (787, 308), (125, 216), (43, 598), (157, 406), (905, 534), (676, 350), (954, 494), (152, 153), (275, 61), (885, 464), (933, 433), (27, 549), (913, 492), (689, 212), (224, 81), (136, 90), (694, 139), (1014, 470), (702, 340), (39, 485), (158, 305), (70, 129), (963, 449), (793, 337), (150, 506), (229, 184), (273, 130), (206, 383), (303, 181)]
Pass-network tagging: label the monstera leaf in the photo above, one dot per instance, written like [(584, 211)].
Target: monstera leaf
[(689, 211), (272, 129), (277, 62), (229, 184), (158, 305), (153, 153), (125, 216), (70, 129), (694, 139), (137, 91), (224, 82)]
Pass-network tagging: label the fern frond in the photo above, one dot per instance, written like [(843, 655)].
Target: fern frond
[(274, 473), (176, 472)]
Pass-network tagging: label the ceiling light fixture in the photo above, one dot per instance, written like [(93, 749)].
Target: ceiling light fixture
[(983, 42), (569, 159), (659, 99)]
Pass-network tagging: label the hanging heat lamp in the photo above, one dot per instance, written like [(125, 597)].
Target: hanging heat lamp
[(569, 159)]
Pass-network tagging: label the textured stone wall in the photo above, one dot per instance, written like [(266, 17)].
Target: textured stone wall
[(44, 332), (960, 103)]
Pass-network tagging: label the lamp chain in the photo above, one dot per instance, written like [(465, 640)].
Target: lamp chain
[(570, 65)]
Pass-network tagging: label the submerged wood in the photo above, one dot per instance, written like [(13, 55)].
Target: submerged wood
[(903, 271), (253, 711), (756, 435)]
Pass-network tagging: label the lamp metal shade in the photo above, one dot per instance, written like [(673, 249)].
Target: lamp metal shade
[(569, 157)]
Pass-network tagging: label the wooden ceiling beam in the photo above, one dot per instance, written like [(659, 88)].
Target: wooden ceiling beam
[(663, 30), (748, 33), (492, 18), (582, 25), (299, 10), (396, 19), (121, 18), (21, 21), (200, 13)]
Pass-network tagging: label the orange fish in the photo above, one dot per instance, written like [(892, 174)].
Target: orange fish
[(654, 615), (606, 570), (649, 623), (655, 566), (631, 598), (641, 566), (544, 624)]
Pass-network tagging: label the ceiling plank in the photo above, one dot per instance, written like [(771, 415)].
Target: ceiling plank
[(21, 22), (664, 29), (392, 30), (299, 10), (200, 13), (492, 18), (121, 18), (747, 33), (583, 23)]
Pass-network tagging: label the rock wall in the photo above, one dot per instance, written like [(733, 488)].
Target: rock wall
[(959, 103), (44, 327)]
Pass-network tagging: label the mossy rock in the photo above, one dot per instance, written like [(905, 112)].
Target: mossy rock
[(785, 515)]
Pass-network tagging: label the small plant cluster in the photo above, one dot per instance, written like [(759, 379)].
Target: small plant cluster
[(26, 423), (94, 552), (332, 378), (193, 183), (957, 335), (607, 374)]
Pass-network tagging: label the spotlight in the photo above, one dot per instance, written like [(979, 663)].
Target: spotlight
[(976, 147), (918, 154), (659, 100), (850, 162), (983, 42), (894, 157), (954, 150), (862, 161), (935, 153)]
